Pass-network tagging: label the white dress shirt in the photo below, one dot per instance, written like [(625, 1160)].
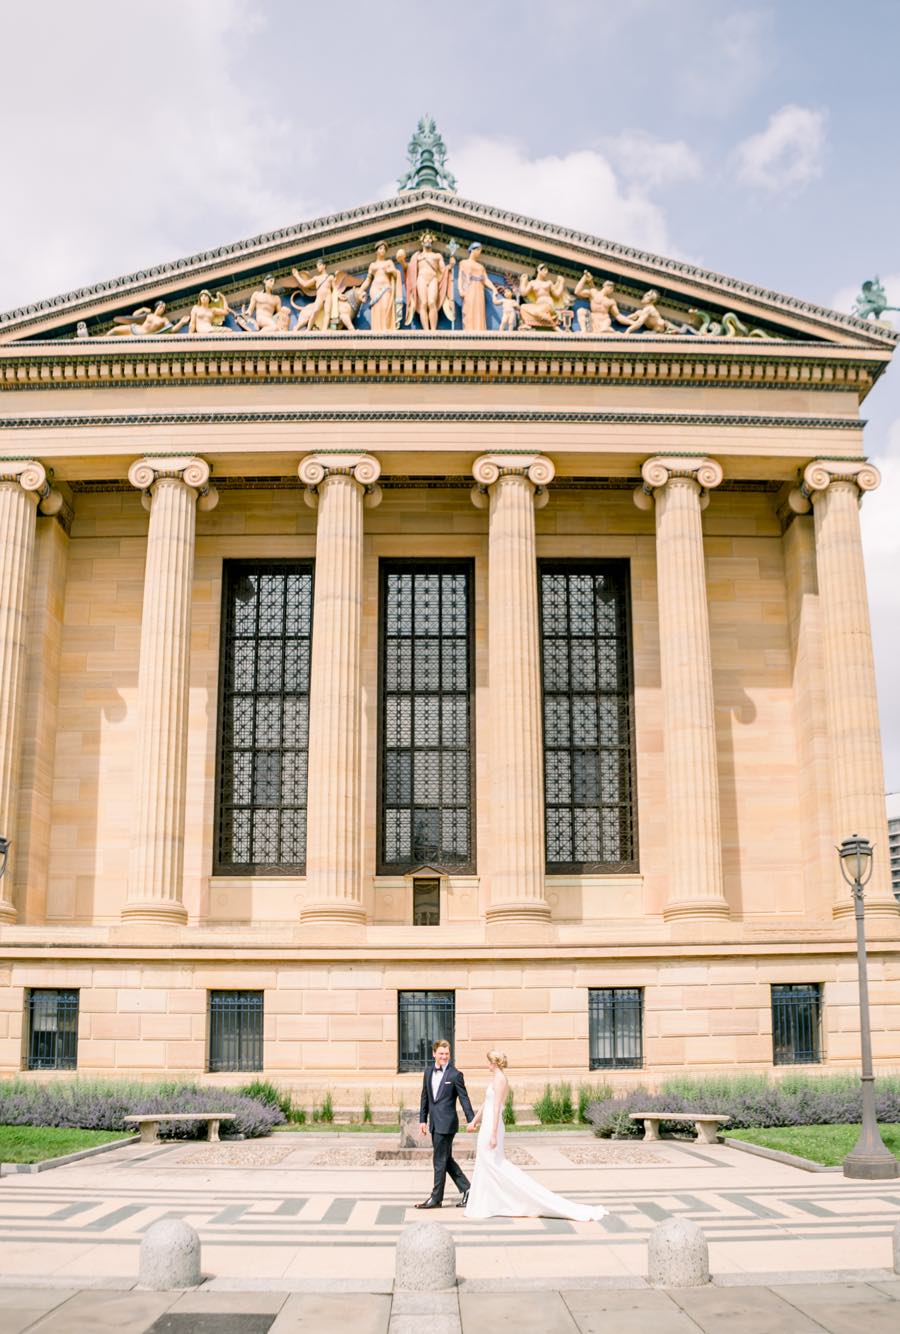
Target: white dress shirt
[(436, 1076)]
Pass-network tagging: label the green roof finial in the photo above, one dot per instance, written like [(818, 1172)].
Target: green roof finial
[(427, 161)]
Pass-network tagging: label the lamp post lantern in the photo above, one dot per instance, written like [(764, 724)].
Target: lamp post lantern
[(4, 853), (870, 1158)]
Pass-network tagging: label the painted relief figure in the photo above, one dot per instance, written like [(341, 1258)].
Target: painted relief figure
[(209, 314), (508, 302), (542, 299), (264, 306), (146, 321), (648, 317), (473, 279), (319, 286), (380, 288), (602, 301), (429, 285)]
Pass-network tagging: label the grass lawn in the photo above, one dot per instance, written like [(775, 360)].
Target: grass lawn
[(31, 1144), (828, 1145)]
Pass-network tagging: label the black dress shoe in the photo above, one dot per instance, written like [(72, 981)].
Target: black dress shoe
[(430, 1204), (463, 1200)]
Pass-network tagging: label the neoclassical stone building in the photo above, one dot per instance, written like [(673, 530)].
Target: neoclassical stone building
[(363, 680)]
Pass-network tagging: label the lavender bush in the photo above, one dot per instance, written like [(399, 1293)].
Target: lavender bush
[(751, 1100), (95, 1105)]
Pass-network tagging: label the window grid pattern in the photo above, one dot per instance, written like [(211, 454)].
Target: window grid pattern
[(797, 1024), (264, 726), (235, 1030), (423, 1017), (615, 1028), (426, 723), (52, 1030), (589, 785)]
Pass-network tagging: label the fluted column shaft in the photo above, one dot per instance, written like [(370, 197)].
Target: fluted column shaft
[(338, 486), (171, 488), (678, 488), (517, 856), (23, 485), (857, 774)]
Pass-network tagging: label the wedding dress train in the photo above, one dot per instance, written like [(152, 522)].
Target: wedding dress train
[(501, 1190)]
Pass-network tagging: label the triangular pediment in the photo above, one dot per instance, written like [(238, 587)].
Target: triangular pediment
[(690, 299)]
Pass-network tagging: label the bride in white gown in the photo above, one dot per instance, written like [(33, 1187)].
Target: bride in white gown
[(500, 1189)]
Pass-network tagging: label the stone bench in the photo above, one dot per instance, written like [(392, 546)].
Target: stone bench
[(706, 1122), (149, 1122)]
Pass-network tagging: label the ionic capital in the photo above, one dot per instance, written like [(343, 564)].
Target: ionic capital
[(534, 468), (364, 469), (193, 472), (32, 478), (701, 472), (819, 475)]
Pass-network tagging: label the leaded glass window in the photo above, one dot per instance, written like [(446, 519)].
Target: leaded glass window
[(426, 724), (587, 713), (267, 620)]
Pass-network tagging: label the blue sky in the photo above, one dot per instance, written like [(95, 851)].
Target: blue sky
[(755, 139)]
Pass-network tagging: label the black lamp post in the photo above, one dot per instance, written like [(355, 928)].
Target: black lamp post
[(4, 853), (870, 1158)]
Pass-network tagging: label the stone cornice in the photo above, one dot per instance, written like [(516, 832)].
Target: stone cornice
[(420, 359), (299, 416), (439, 205)]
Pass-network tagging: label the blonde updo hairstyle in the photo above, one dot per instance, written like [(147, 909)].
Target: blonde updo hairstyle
[(497, 1058)]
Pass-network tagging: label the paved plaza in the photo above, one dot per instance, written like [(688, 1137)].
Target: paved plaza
[(300, 1230)]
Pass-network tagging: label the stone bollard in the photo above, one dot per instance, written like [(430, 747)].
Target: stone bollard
[(409, 1132), (895, 1237), (426, 1258), (678, 1255), (170, 1256)]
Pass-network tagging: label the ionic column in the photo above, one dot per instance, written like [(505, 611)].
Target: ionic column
[(23, 486), (173, 489), (678, 488), (857, 775), (338, 485), (511, 486)]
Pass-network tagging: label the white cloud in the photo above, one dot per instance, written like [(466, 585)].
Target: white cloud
[(653, 162), (187, 148), (580, 190), (787, 154)]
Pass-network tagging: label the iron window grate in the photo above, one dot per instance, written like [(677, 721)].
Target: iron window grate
[(423, 1017), (796, 1023), (616, 1028), (52, 1030), (425, 730), (264, 717), (589, 786), (235, 1030)]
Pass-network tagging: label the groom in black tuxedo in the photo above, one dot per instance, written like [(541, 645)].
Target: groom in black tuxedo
[(442, 1085)]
